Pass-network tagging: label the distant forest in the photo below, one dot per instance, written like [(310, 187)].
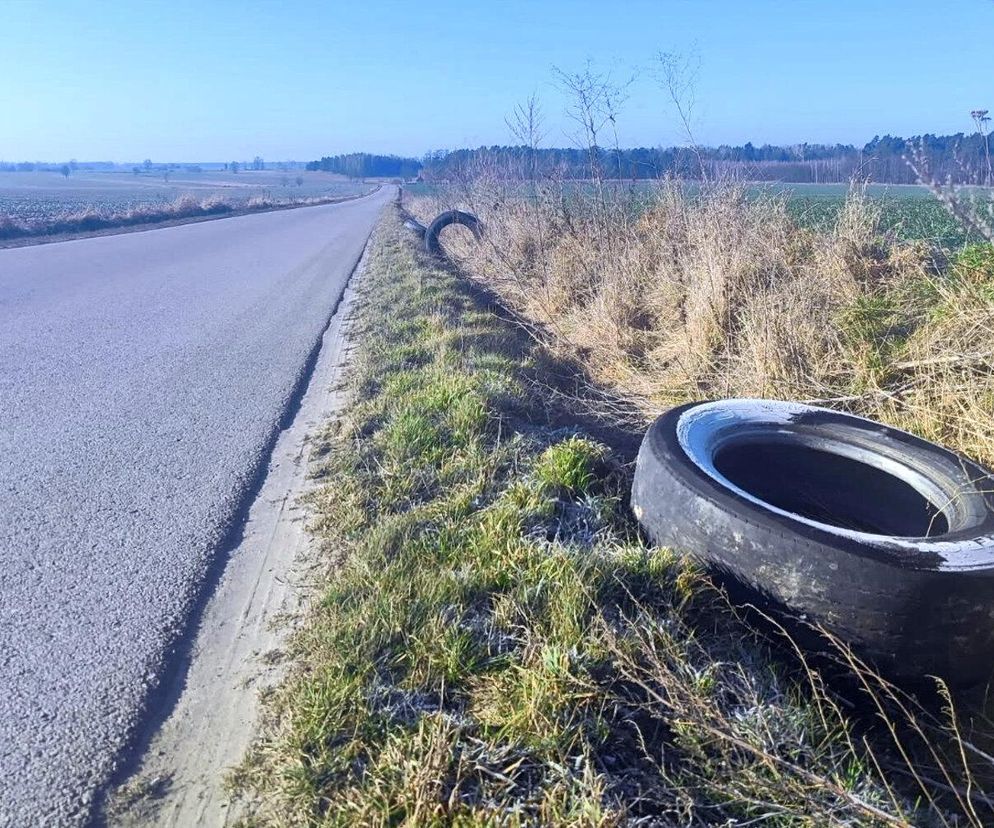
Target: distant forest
[(365, 165), (961, 158)]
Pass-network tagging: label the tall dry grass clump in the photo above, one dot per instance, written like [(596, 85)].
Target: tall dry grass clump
[(941, 380), (666, 293)]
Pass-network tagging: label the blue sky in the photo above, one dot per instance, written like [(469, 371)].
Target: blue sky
[(220, 80)]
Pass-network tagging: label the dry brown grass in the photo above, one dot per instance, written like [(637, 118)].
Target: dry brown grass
[(666, 296)]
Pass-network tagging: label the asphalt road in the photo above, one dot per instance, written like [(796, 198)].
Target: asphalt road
[(143, 378)]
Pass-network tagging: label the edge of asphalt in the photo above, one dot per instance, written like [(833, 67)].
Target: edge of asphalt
[(200, 719), (55, 238)]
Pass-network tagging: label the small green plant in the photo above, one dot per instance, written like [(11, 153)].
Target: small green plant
[(975, 263), (570, 468)]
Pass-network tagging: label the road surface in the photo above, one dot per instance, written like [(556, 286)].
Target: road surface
[(143, 379)]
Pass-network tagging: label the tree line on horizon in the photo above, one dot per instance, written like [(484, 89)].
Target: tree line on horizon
[(960, 158), (368, 165)]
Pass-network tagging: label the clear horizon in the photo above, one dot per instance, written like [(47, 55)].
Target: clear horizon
[(182, 82)]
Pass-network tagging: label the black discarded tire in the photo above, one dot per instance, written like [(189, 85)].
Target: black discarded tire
[(432, 244), (885, 539)]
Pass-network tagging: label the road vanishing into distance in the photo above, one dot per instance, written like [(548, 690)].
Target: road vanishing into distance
[(143, 379)]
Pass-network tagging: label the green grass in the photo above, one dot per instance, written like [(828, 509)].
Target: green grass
[(494, 644)]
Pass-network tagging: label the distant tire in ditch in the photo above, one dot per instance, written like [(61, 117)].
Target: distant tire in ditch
[(432, 244), (885, 539), (415, 227)]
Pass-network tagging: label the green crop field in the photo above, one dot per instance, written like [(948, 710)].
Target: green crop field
[(910, 213)]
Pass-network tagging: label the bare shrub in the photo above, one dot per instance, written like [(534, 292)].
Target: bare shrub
[(10, 228), (214, 204)]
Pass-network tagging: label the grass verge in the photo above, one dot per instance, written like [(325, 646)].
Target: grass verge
[(494, 644)]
